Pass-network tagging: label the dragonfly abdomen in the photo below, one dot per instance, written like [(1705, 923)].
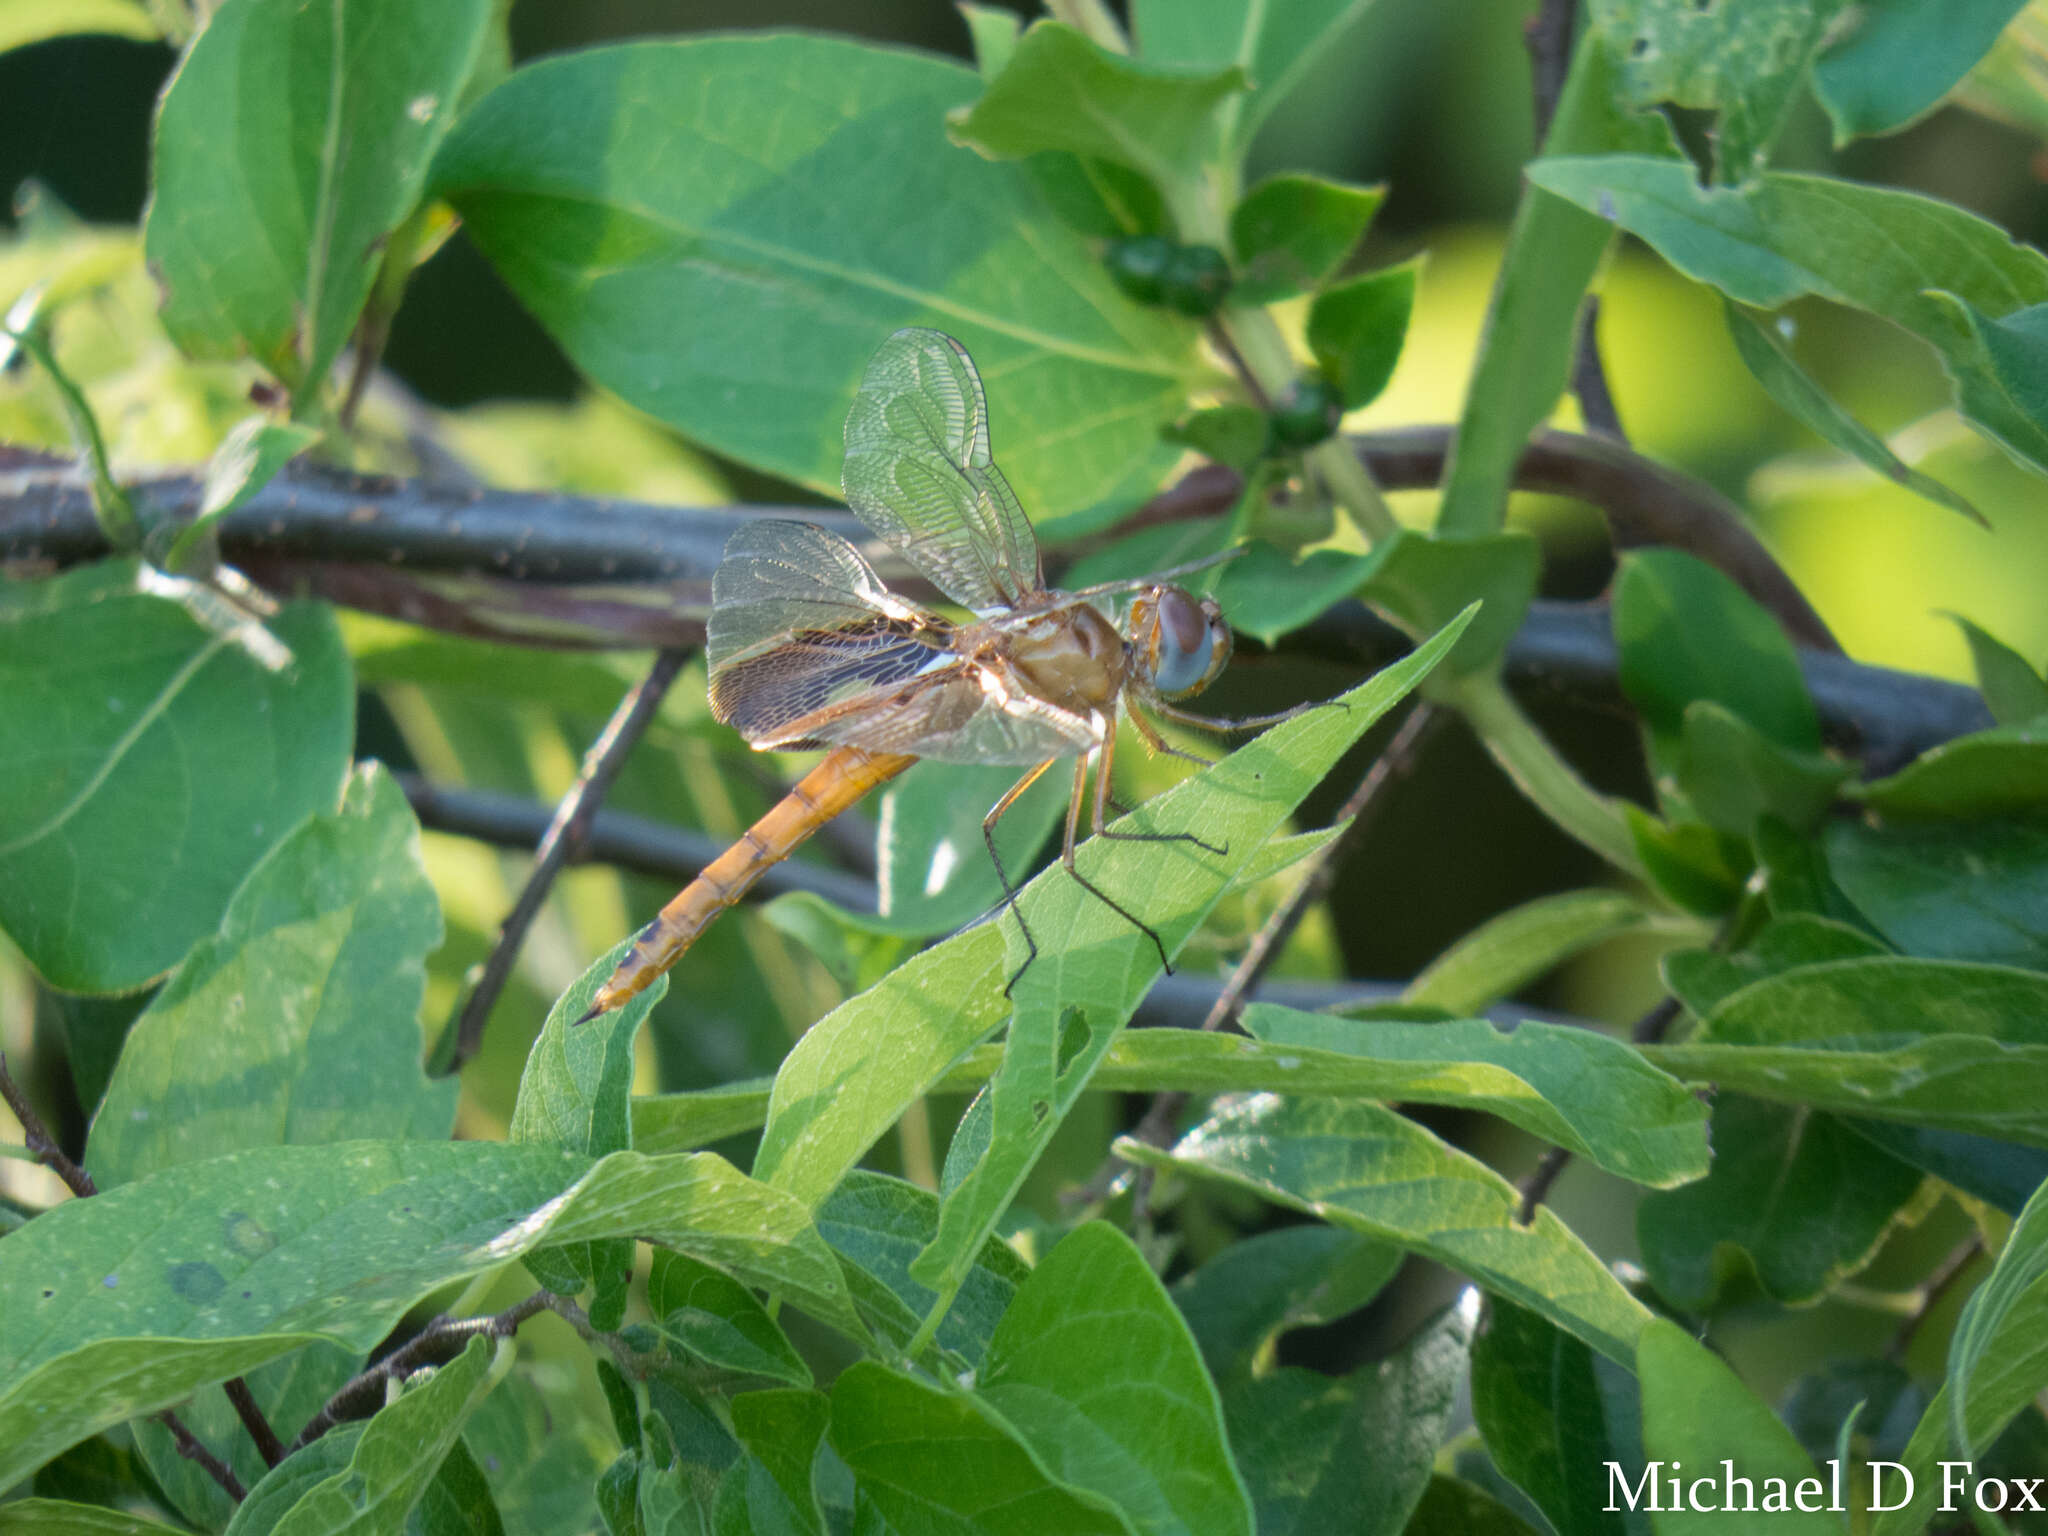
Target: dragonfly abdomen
[(842, 779)]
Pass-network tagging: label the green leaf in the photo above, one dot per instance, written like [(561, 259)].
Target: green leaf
[(2000, 1172), (1998, 1357), (113, 1307), (1945, 275), (772, 1488), (1059, 91), (1555, 1415), (1243, 1299), (292, 141), (1293, 230), (1356, 327), (886, 1426), (878, 1226), (150, 764), (993, 32), (541, 1458), (271, 1499), (690, 271), (1733, 775), (1898, 59), (1703, 979), (1093, 1369), (2014, 691), (1748, 61), (1273, 44), (1505, 953), (575, 1094), (1452, 1508), (933, 872), (298, 1022), (719, 1321), (1805, 1199), (1269, 593), (1366, 1168), (458, 1501), (1573, 1087), (857, 1069), (1421, 581), (1351, 1453), (1531, 330), (1973, 890), (1765, 354), (34, 21), (1236, 435), (1687, 632), (1697, 1411), (1701, 870), (1884, 995), (60, 1517), (1988, 773), (247, 460), (679, 1122), (395, 1457)]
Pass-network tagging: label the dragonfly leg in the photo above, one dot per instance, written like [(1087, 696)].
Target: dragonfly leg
[(1159, 743), (1103, 801), (1067, 853), (1237, 723), (988, 837)]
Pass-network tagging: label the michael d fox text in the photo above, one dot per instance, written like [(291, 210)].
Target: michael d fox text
[(1665, 1487)]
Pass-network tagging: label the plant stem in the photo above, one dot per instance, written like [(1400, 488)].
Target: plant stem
[(1533, 763)]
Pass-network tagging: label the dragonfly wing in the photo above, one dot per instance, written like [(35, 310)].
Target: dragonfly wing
[(919, 472), (950, 716), (800, 623)]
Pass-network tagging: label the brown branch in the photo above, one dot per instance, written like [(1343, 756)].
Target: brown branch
[(1548, 36), (363, 1394), (564, 837), (268, 1446), (1589, 376), (37, 1138), (192, 1450), (1938, 1285)]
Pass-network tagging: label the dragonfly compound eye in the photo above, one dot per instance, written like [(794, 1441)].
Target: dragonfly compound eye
[(1184, 643)]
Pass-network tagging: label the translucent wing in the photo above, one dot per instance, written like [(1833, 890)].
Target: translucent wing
[(800, 623), (919, 472)]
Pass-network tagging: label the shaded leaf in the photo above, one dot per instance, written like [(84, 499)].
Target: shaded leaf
[(115, 1306), (719, 1321), (2012, 689), (1764, 352), (1897, 60), (884, 1427), (298, 1022), (60, 1517), (1059, 91), (736, 288), (1274, 45), (150, 764), (1975, 890), (1733, 775), (1988, 773), (1351, 1453), (1356, 327), (1366, 1168), (1422, 581), (771, 1490), (1452, 1508), (1555, 1415), (292, 141), (1998, 1356), (1293, 230), (1269, 593), (933, 871), (1804, 1199), (1239, 1302)]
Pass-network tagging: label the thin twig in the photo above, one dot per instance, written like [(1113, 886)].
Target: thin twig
[(564, 836), (1221, 339), (192, 1450), (1589, 377), (37, 1138), (1359, 813), (1535, 1189), (268, 1446), (1937, 1286), (442, 1341), (1548, 36)]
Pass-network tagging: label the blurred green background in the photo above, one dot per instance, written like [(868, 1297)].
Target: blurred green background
[(1432, 99)]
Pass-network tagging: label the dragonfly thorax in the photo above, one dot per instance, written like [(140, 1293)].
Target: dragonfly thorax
[(1071, 656), (1179, 642)]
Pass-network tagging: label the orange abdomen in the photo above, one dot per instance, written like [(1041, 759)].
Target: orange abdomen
[(846, 774)]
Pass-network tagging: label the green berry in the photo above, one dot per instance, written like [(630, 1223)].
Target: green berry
[(1308, 412), (1137, 263), (1196, 280)]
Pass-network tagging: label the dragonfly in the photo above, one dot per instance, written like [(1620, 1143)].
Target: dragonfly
[(807, 648)]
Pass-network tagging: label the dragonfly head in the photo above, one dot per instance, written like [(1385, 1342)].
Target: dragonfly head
[(1180, 640)]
